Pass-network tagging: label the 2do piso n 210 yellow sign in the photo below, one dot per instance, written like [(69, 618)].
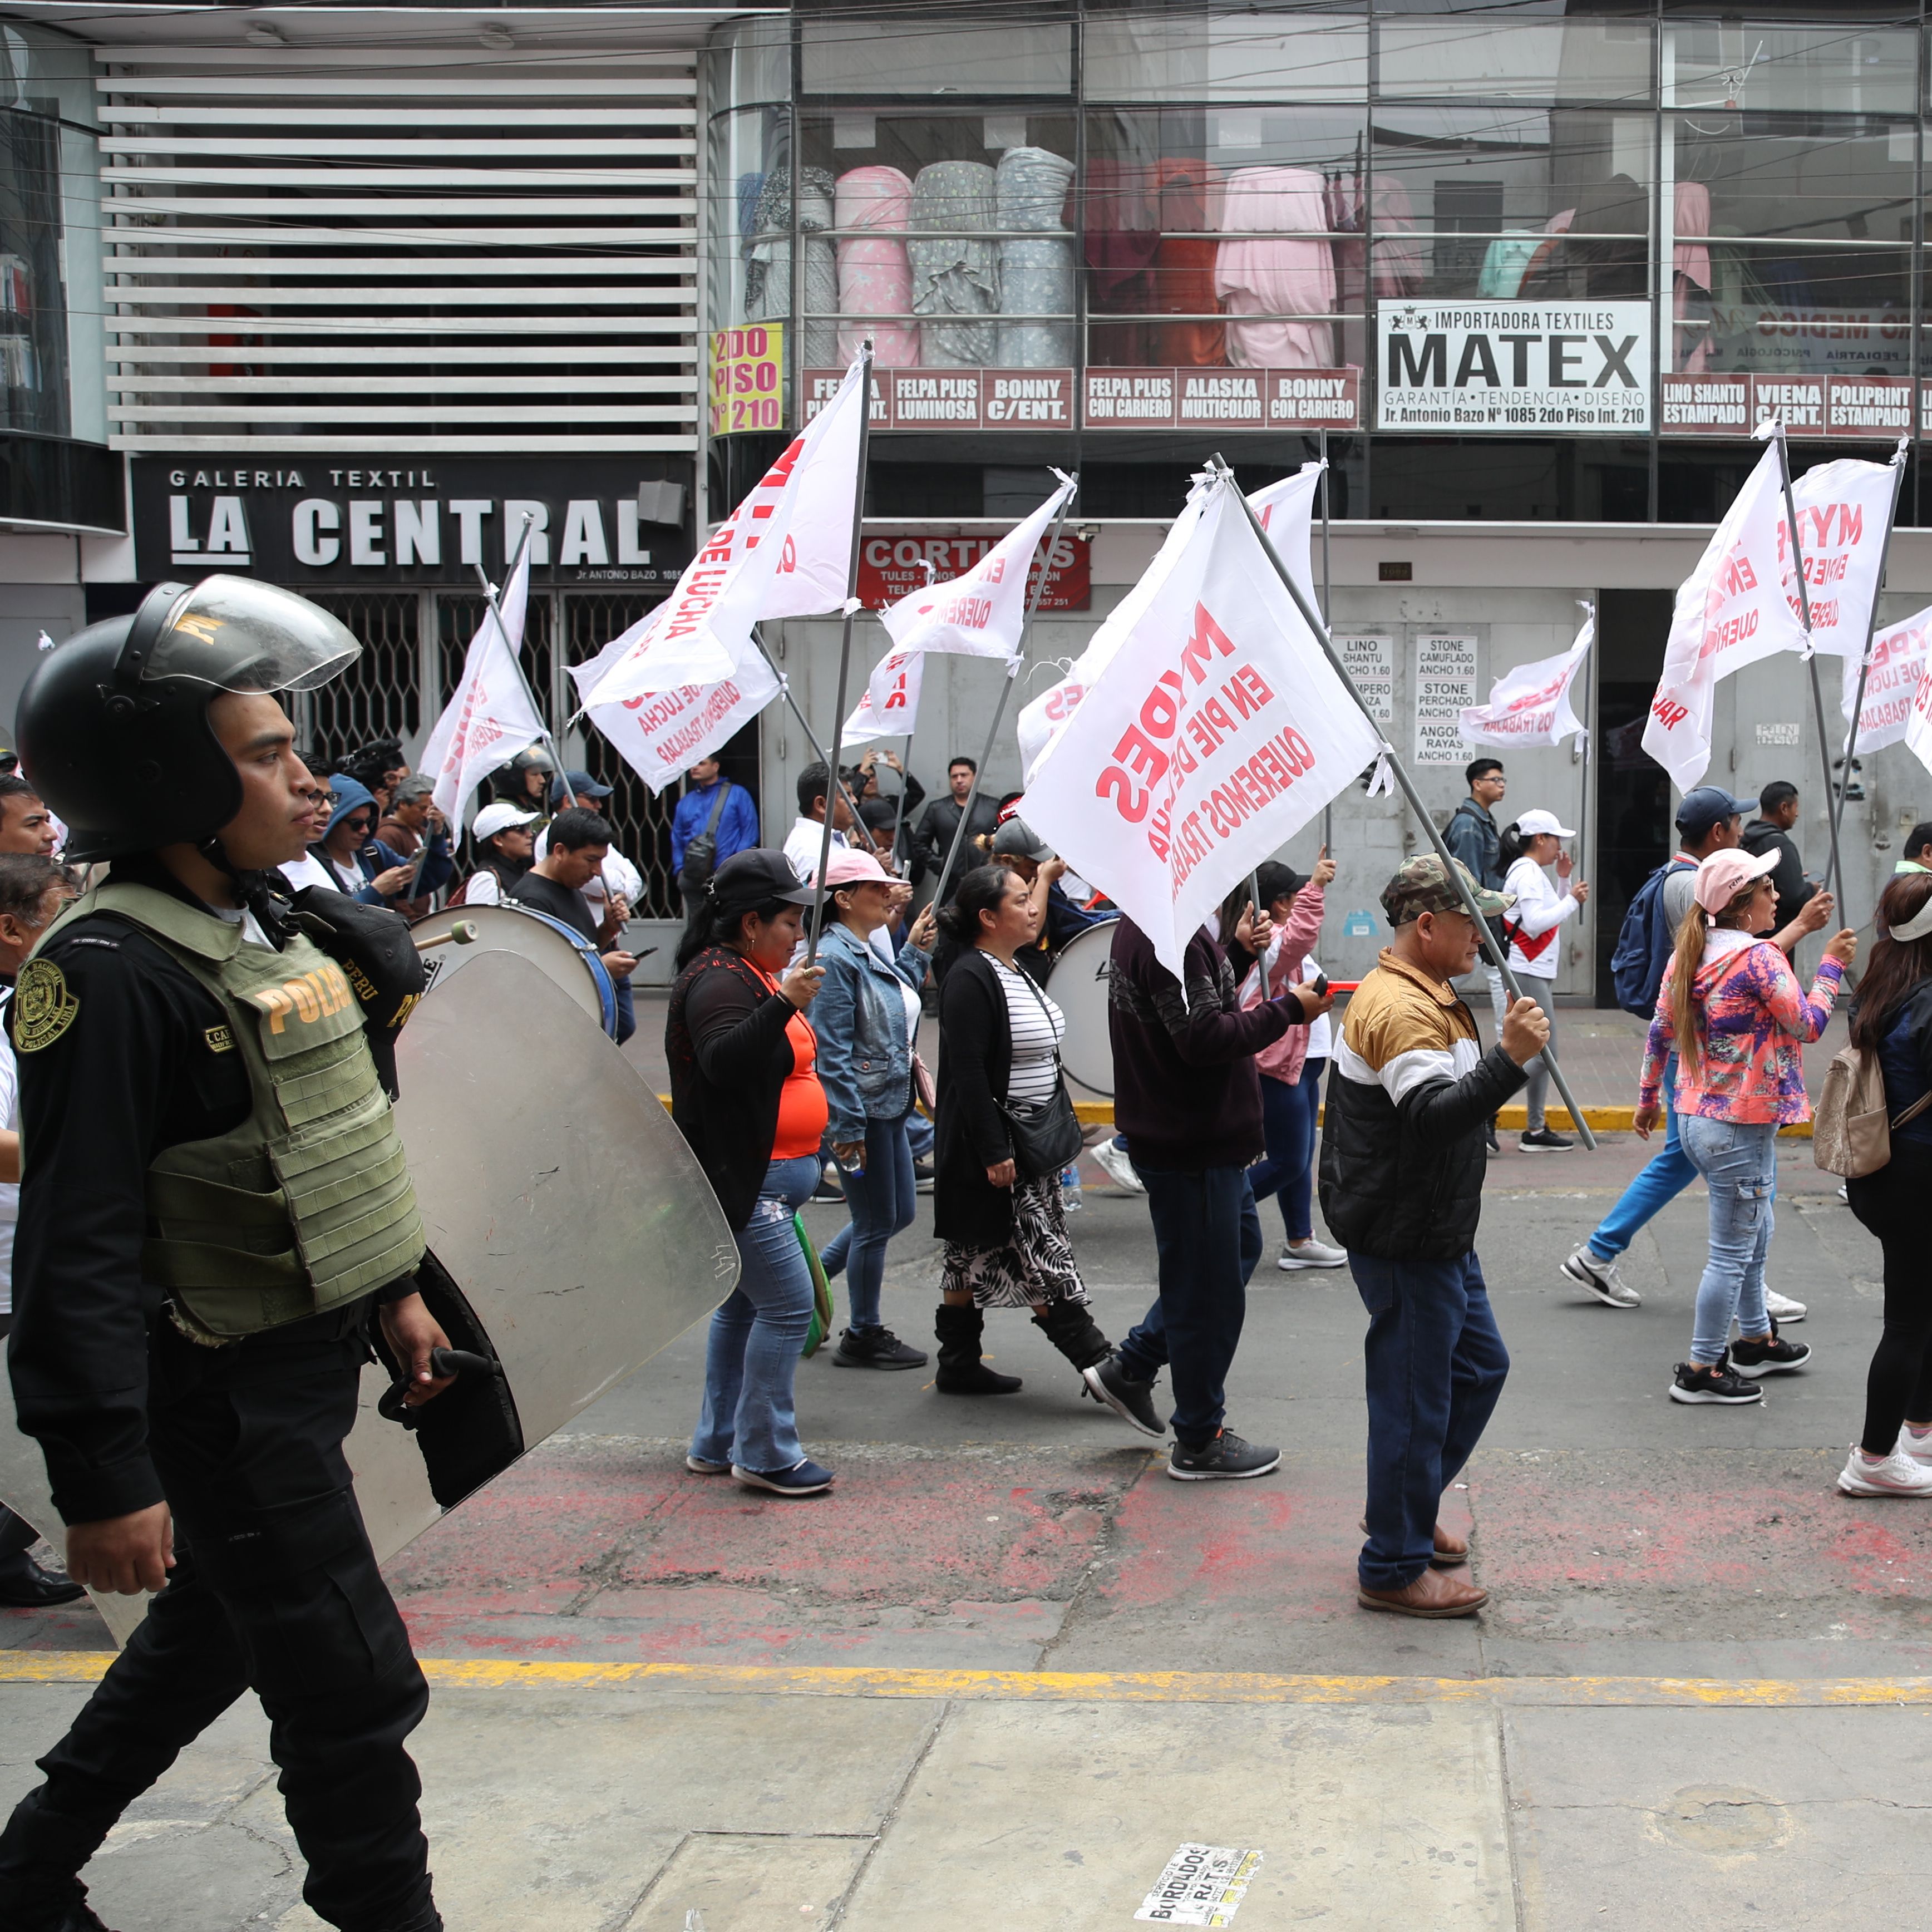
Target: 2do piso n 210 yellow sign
[(747, 379)]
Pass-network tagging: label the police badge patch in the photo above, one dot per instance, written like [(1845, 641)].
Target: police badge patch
[(43, 1008)]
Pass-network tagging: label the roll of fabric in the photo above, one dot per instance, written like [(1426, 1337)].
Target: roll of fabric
[(1029, 188), (1271, 277), (874, 276), (954, 274), (1122, 237), (768, 297), (1183, 270)]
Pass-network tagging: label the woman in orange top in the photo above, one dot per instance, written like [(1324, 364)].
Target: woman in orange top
[(745, 1095)]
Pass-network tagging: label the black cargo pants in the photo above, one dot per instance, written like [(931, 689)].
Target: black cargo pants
[(274, 1589)]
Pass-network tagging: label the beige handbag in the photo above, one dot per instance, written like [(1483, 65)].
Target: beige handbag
[(1851, 1133)]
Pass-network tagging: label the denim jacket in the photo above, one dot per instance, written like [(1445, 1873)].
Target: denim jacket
[(864, 1056)]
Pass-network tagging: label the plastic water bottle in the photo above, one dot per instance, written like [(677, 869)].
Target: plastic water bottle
[(1070, 1196)]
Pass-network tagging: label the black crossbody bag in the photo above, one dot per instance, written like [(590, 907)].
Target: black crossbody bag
[(1046, 1134)]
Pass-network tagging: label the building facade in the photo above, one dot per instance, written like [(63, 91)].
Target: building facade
[(336, 295)]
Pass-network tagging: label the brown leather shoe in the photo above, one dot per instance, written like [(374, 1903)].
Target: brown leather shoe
[(1432, 1594), (1450, 1550)]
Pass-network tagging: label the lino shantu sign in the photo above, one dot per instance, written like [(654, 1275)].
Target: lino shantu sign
[(1525, 367)]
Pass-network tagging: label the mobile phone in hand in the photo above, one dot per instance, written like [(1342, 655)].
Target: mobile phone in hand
[(1318, 985)]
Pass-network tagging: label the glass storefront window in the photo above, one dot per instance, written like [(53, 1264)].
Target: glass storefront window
[(1514, 59), (882, 56), (949, 239), (1282, 55), (1741, 66), (1224, 235), (1790, 244), (33, 306), (1530, 204), (749, 217)]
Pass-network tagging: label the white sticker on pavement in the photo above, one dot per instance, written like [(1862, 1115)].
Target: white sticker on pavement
[(1202, 1884)]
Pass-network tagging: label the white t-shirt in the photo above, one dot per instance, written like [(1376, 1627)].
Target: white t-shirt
[(802, 844), (1540, 909), (308, 870), (483, 889)]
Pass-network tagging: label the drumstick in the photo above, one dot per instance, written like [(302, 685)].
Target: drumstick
[(462, 933)]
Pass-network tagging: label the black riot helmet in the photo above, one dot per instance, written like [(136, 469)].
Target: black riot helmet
[(511, 781), (113, 727)]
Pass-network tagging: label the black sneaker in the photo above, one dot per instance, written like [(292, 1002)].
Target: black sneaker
[(1543, 1141), (1696, 1383), (874, 1348), (1489, 1136), (1768, 1358), (1132, 1401), (1226, 1459)]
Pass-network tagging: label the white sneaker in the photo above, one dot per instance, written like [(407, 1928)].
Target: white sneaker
[(1898, 1475), (1599, 1278), (1114, 1163), (1310, 1254), (1781, 1308), (1918, 1447)]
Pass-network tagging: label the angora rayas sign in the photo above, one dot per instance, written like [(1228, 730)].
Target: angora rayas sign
[(1515, 366)]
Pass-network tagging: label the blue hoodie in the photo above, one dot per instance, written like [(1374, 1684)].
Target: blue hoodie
[(351, 795)]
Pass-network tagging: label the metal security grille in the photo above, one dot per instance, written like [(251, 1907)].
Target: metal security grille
[(422, 245), (641, 821), (456, 618), (380, 696)]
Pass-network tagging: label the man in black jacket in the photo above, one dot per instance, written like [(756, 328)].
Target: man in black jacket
[(1771, 831), (1402, 1162), (940, 822)]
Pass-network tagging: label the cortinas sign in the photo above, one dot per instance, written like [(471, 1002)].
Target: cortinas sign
[(1522, 367), (331, 520)]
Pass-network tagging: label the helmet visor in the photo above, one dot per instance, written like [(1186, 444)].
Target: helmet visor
[(239, 635)]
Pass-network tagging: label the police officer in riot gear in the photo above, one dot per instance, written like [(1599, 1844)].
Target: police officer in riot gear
[(215, 1213)]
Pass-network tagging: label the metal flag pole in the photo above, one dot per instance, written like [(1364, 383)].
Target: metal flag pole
[(1871, 631), (1328, 810), (1589, 713), (1498, 955), (1006, 688), (832, 774), (1835, 879), (905, 771), (546, 738)]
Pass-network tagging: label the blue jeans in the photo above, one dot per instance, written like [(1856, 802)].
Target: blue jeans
[(1287, 1128), (1666, 1175), (756, 1336), (1739, 1160), (883, 1202), (1434, 1364), (1207, 1237)]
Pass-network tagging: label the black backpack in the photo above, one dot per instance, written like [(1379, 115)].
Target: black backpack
[(1644, 941)]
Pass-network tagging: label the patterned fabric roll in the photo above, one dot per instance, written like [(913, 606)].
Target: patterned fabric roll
[(768, 294), (953, 274), (874, 276), (1029, 188)]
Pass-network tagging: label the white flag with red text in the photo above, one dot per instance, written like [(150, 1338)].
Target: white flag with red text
[(981, 612), (1215, 730), (1285, 510), (1844, 509), (1898, 660), (785, 551), (1529, 704), (1731, 611), (1919, 721), (492, 716), (890, 707)]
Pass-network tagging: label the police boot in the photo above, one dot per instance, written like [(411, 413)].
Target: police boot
[(47, 1904), (961, 1370)]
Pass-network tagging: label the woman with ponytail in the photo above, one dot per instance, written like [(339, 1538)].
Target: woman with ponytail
[(1892, 1018), (1738, 1018)]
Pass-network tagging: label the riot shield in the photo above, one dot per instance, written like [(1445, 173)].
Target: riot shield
[(571, 1233)]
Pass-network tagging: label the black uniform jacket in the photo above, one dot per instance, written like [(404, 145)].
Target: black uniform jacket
[(135, 1060)]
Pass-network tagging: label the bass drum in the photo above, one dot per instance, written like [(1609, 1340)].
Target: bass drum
[(1078, 985), (560, 953)]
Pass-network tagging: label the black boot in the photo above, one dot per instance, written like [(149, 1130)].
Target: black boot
[(1069, 1327), (961, 1370)]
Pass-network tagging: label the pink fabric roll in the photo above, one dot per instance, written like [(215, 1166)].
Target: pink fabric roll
[(1276, 276), (874, 277), (1691, 274)]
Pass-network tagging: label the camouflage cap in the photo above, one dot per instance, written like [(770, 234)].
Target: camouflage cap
[(1421, 885)]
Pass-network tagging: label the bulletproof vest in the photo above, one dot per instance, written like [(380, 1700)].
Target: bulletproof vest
[(308, 1203)]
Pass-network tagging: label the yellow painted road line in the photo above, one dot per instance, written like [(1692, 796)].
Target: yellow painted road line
[(1065, 1687)]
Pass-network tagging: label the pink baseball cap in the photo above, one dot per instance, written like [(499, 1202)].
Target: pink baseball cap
[(849, 867), (1724, 874)]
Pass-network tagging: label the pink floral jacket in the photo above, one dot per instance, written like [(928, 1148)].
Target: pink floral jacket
[(1283, 1060)]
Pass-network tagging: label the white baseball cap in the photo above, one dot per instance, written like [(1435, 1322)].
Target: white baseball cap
[(498, 818), (1533, 823)]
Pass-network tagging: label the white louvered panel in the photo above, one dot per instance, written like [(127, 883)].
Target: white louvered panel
[(301, 259)]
